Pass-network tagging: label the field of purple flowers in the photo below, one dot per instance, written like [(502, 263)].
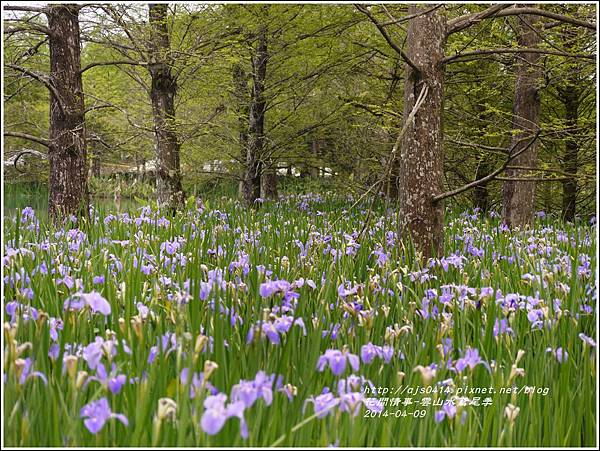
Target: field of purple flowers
[(296, 325)]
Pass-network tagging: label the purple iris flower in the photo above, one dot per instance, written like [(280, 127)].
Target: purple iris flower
[(97, 413), (324, 404), (114, 382), (94, 351), (27, 372), (560, 354), (67, 280), (153, 354), (350, 402), (27, 312), (486, 292), (94, 300), (249, 391), (337, 361), (284, 323), (588, 340), (448, 411), (382, 257), (333, 331), (535, 317), (387, 352), (268, 289), (471, 359), (271, 333), (197, 383), (205, 288), (345, 292), (73, 303), (146, 269), (368, 352), (273, 330), (216, 414), (55, 325), (501, 327)]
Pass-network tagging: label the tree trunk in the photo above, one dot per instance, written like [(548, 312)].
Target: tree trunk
[(67, 152), (315, 150), (391, 184), (95, 163), (570, 99), (269, 182), (256, 136), (421, 157), (304, 171), (169, 191), (569, 95), (241, 97), (519, 196), (481, 196)]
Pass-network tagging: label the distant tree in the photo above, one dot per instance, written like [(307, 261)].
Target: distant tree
[(255, 143), (163, 89), (519, 194)]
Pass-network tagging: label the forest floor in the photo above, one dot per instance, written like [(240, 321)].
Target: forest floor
[(285, 326)]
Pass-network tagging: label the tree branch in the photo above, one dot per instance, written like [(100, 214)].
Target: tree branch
[(42, 79), (112, 63), (454, 58), (388, 38), (375, 110), (412, 16), (490, 176), (27, 28), (36, 139), (463, 22), (533, 179), (31, 9), (477, 146), (27, 152)]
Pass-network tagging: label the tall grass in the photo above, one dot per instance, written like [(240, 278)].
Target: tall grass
[(367, 289)]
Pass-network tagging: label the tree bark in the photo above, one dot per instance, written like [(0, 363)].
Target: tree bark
[(391, 184), (256, 135), (169, 190), (95, 166), (241, 96), (519, 196), (570, 99), (481, 196), (269, 182), (422, 157), (570, 95), (67, 149)]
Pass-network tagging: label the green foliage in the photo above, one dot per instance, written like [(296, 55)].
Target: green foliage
[(332, 80)]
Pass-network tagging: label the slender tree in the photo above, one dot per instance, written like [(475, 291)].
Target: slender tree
[(519, 195), (256, 132), (241, 99), (570, 98), (171, 58), (570, 93), (163, 90)]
